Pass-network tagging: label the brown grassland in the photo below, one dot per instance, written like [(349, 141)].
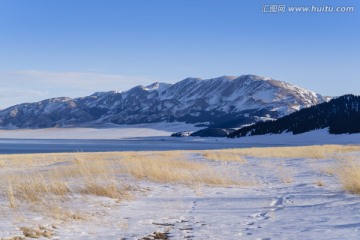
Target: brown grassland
[(46, 179), (42, 178), (316, 152)]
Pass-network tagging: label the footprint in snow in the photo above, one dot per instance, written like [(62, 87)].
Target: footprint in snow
[(277, 202)]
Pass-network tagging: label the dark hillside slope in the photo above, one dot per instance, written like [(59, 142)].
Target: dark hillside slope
[(340, 115)]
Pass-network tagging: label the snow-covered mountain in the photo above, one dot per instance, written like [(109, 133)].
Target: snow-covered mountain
[(223, 101)]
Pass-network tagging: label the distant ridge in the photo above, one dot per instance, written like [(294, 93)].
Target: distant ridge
[(340, 115), (220, 102)]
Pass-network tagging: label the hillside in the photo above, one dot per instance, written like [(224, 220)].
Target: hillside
[(340, 115)]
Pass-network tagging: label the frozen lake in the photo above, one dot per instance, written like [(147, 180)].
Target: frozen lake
[(12, 146), (144, 139)]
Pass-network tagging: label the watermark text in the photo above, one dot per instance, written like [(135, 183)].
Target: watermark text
[(280, 8)]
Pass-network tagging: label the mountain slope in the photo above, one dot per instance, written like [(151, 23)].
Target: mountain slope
[(340, 115), (223, 102)]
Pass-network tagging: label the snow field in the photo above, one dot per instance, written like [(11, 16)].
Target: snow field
[(256, 193)]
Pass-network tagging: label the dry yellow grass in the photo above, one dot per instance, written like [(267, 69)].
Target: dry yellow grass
[(348, 172), (316, 151), (223, 155), (50, 179), (97, 174), (36, 233), (45, 159), (171, 167), (319, 183), (163, 166), (45, 181), (36, 160), (33, 187), (14, 238), (99, 178), (80, 176), (49, 184), (56, 211)]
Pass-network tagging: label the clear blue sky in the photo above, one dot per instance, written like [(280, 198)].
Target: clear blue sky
[(76, 47)]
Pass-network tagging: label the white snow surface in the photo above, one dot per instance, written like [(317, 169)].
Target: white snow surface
[(164, 130), (284, 203), (320, 136), (110, 131)]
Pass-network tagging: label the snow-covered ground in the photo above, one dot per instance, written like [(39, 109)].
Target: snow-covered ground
[(162, 131), (272, 209), (315, 137), (103, 132), (287, 199), (321, 136), (294, 198)]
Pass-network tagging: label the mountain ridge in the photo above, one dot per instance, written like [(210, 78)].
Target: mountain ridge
[(225, 100)]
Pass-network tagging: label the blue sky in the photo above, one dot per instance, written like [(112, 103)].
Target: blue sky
[(76, 47)]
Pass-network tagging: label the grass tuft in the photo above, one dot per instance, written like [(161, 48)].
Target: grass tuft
[(171, 167), (223, 155), (315, 152), (348, 173)]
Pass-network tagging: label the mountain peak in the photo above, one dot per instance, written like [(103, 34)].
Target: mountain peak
[(253, 77), (225, 77), (158, 86)]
